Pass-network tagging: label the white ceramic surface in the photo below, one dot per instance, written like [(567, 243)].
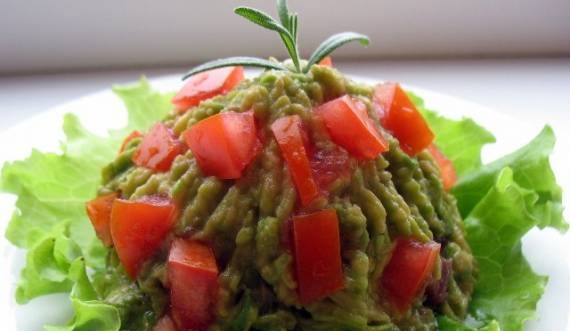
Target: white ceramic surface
[(548, 251)]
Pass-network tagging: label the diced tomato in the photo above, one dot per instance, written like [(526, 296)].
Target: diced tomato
[(316, 248), (286, 234), (329, 165), (289, 133), (165, 324), (193, 278), (158, 149), (349, 126), (399, 115), (446, 169), (138, 229), (406, 273), (133, 135), (224, 144), (327, 62), (207, 85), (99, 212)]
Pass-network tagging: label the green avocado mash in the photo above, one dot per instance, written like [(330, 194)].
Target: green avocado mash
[(392, 196)]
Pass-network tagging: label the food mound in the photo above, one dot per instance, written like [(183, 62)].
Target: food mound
[(290, 201)]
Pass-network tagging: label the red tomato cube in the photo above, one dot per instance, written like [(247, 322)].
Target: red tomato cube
[(406, 273), (316, 246), (206, 85), (138, 229), (289, 133), (193, 278), (133, 135), (349, 126), (399, 115), (329, 165), (327, 62), (99, 212), (446, 169), (224, 144), (158, 149)]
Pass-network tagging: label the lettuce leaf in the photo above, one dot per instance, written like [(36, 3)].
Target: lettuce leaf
[(90, 313), (50, 219), (53, 188), (531, 170), (507, 289), (47, 265), (447, 324), (500, 203)]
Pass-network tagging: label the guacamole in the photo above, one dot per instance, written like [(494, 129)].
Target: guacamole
[(246, 221)]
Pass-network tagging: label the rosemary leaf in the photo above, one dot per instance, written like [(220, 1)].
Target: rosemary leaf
[(293, 26), (235, 61), (262, 19), (283, 12), (332, 43)]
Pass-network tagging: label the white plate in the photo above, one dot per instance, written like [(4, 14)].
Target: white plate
[(548, 252)]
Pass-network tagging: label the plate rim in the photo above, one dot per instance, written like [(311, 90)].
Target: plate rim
[(55, 115)]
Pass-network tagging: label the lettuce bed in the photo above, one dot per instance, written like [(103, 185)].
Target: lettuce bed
[(500, 203)]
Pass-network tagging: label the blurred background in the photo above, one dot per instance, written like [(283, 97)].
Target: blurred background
[(511, 55), (48, 36)]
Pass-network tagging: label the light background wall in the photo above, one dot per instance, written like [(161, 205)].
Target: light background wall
[(50, 35)]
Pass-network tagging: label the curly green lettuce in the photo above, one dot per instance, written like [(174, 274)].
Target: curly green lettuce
[(500, 202), (50, 220)]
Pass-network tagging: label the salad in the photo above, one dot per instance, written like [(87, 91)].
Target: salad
[(298, 199)]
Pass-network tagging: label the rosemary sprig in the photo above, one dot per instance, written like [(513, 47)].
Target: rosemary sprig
[(245, 61), (286, 27)]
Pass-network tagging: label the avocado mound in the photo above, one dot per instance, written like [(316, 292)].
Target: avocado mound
[(379, 200)]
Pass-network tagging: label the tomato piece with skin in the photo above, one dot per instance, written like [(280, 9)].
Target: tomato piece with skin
[(165, 323), (349, 126), (329, 165), (399, 115), (289, 133), (286, 234), (316, 247), (408, 270), (446, 169), (138, 229), (206, 85), (224, 144), (132, 136), (193, 278), (99, 212), (327, 62), (158, 149)]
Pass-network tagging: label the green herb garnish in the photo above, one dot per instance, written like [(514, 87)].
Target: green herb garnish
[(287, 30)]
